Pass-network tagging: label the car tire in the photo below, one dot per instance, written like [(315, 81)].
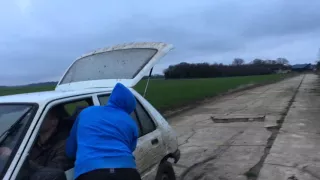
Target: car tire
[(165, 171)]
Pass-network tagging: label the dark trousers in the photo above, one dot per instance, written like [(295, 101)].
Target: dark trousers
[(111, 174)]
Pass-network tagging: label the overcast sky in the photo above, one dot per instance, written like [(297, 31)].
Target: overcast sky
[(39, 39)]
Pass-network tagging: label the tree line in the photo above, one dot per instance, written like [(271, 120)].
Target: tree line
[(237, 68)]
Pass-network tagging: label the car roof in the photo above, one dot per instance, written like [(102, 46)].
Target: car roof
[(45, 96)]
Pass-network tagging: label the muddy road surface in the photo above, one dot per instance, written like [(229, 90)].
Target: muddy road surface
[(230, 138)]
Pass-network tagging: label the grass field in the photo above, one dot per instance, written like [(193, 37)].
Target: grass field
[(166, 94)]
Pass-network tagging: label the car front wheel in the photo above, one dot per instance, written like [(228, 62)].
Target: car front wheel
[(165, 172)]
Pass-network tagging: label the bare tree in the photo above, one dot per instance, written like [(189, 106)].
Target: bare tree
[(258, 61), (269, 61), (283, 61), (238, 61)]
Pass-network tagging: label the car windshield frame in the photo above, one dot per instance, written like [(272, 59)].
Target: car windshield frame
[(26, 125)]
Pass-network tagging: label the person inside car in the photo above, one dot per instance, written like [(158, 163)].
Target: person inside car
[(48, 152), (103, 139)]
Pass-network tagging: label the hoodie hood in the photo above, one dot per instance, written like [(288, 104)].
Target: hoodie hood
[(122, 98)]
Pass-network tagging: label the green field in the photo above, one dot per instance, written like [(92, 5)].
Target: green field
[(165, 94)]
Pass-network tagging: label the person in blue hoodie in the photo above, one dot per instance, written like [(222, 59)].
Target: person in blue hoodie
[(103, 139)]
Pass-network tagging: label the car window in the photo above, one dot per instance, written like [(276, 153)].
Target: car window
[(140, 115), (71, 107), (103, 99), (134, 117), (15, 120), (147, 124)]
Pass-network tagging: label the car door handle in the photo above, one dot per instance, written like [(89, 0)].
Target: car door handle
[(154, 141)]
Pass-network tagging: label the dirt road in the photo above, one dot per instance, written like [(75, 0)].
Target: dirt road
[(230, 138)]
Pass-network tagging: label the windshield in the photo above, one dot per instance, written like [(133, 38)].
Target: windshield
[(13, 121)]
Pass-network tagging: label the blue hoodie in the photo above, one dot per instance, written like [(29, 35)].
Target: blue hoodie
[(105, 136)]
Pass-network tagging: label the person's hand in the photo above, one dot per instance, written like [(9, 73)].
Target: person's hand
[(5, 151)]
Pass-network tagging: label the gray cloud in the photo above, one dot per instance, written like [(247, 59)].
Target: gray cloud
[(39, 39)]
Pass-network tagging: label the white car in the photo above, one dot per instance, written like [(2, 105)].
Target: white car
[(89, 81)]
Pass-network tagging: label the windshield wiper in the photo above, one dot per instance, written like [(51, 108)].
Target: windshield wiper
[(13, 127)]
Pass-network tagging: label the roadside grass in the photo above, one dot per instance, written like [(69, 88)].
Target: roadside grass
[(167, 94), (18, 90)]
